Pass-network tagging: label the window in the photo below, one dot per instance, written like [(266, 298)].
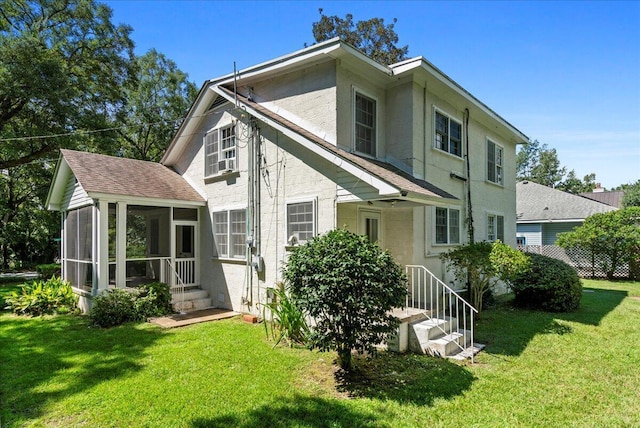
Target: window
[(521, 240), (220, 151), (447, 226), (229, 233), (365, 124), (448, 136), (494, 163), (300, 220), (495, 227)]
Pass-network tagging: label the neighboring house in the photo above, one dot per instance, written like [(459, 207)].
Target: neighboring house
[(544, 212), (279, 152), (609, 197)]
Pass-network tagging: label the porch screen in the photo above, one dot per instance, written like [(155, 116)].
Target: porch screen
[(78, 229)]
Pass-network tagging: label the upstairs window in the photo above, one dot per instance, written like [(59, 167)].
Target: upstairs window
[(448, 135), (365, 124), (495, 227), (494, 163), (220, 151), (447, 226)]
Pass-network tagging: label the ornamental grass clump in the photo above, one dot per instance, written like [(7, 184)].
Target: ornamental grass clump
[(283, 320)]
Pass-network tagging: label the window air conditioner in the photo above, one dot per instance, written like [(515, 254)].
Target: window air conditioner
[(225, 165)]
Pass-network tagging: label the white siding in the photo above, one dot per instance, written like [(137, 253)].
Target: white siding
[(74, 195)]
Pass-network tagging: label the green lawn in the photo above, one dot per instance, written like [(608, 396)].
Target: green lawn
[(538, 369)]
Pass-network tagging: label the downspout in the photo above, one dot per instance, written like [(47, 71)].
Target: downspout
[(249, 223), (470, 229)]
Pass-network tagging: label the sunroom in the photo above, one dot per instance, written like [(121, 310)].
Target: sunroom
[(124, 223)]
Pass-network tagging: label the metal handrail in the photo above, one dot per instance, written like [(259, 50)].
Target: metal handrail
[(440, 302), (180, 284)]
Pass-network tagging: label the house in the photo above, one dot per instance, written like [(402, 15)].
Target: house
[(609, 197), (274, 154), (544, 212)]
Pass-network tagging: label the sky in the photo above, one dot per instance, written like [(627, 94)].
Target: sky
[(564, 73)]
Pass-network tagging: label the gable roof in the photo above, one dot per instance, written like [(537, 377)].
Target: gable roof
[(401, 183), (536, 203), (108, 175), (612, 198)]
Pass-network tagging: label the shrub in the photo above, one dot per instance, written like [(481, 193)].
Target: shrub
[(153, 300), (49, 270), (550, 285), (113, 307), (43, 297), (283, 320), (347, 285)]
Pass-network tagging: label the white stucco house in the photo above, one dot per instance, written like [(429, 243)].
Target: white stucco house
[(279, 152)]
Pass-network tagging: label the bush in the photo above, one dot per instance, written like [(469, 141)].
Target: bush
[(118, 306), (113, 307), (283, 320), (49, 270), (153, 300), (347, 285), (43, 297), (551, 285)]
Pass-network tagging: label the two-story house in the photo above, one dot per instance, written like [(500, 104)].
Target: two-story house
[(274, 154)]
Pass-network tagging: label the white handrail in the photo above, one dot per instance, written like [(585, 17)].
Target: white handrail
[(440, 302), (176, 283)]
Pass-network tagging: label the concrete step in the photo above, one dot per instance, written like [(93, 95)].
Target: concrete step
[(422, 332), (192, 305), (449, 344), (192, 294)]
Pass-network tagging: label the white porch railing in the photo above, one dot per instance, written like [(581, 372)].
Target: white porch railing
[(437, 300)]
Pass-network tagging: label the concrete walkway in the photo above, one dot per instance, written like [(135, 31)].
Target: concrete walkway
[(180, 320)]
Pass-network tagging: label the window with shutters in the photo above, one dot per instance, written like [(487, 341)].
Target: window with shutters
[(494, 163), (495, 227), (447, 226)]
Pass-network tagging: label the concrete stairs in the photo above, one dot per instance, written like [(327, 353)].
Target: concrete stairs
[(422, 334), (194, 299)]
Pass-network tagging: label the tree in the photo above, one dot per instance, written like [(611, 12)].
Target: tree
[(611, 238), (156, 103), (482, 264), (631, 197), (537, 163), (347, 285), (377, 40), (62, 66)]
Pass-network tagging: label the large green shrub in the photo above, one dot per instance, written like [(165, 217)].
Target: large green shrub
[(118, 306), (43, 297), (347, 285), (550, 285)]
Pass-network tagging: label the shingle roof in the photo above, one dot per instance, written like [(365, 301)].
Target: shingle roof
[(128, 177), (612, 198), (535, 202), (384, 171)]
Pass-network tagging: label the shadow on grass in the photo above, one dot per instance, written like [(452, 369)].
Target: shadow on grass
[(507, 330), (47, 359)]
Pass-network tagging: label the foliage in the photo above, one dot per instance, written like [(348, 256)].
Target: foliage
[(64, 64), (113, 307), (283, 320), (156, 104), (43, 297), (537, 163), (612, 238), (550, 285), (117, 306), (631, 197), (375, 39), (347, 285), (482, 264), (153, 300), (49, 270)]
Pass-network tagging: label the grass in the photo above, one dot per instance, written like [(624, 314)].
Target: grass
[(538, 369)]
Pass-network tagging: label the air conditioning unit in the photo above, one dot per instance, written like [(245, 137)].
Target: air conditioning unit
[(225, 165)]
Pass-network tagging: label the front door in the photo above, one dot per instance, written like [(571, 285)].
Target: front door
[(185, 252), (370, 225)]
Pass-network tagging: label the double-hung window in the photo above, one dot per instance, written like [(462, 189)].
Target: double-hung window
[(220, 151), (365, 124), (494, 163), (301, 220), (448, 134), (447, 226), (495, 227), (230, 234)]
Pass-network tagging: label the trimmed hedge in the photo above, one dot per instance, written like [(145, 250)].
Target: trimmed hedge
[(550, 285), (49, 270)]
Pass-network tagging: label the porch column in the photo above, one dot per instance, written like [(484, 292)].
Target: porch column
[(102, 228), (121, 245)]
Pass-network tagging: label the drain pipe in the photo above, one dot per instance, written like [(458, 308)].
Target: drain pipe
[(470, 229)]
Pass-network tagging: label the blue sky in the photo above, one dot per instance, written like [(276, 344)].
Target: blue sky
[(565, 73)]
